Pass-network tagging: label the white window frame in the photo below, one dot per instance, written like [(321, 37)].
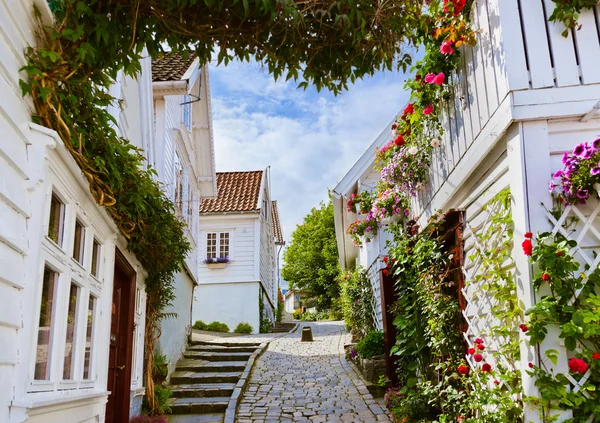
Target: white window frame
[(186, 112), (218, 232)]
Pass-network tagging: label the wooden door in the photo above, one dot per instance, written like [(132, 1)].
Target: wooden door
[(121, 342)]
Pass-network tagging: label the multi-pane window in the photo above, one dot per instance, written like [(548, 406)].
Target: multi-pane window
[(46, 325), (78, 241), (178, 182), (217, 245), (57, 220), (89, 337), (187, 112), (95, 257), (71, 330)]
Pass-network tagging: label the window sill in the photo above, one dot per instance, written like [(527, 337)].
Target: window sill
[(57, 398)]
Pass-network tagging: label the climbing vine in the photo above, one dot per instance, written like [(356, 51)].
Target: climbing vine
[(567, 12), (357, 302)]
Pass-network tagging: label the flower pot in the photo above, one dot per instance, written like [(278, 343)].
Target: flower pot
[(392, 219), (216, 265), (369, 235)]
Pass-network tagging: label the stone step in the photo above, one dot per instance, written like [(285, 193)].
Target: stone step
[(217, 356), (220, 348), (211, 366), (198, 405), (187, 377), (226, 344), (202, 390), (196, 418)]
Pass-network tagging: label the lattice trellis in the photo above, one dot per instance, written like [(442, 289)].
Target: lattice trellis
[(478, 312), (373, 273), (582, 224)]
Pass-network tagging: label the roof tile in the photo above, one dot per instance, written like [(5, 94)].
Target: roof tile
[(236, 192), (277, 232), (171, 66)]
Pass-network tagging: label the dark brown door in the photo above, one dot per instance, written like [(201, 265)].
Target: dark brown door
[(121, 342)]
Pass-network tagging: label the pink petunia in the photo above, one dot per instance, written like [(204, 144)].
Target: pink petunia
[(428, 110), (446, 48), (439, 79), (429, 78)]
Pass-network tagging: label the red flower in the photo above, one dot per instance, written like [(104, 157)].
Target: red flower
[(481, 347), (545, 277), (386, 272), (410, 109), (478, 341), (486, 368), (523, 327), (399, 141), (596, 356), (559, 253), (530, 365), (496, 382), (458, 5), (528, 235), (385, 259), (463, 370), (471, 351), (477, 357), (527, 247), (577, 365), (428, 110), (394, 126)]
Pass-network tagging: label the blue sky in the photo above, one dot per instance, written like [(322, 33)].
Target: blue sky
[(309, 139)]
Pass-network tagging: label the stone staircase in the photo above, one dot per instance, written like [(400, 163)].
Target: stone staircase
[(204, 380), (282, 327)]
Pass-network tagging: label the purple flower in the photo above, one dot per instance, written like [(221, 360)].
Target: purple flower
[(551, 186), (558, 174), (565, 158), (588, 153), (579, 150), (595, 170), (596, 143), (582, 193), (406, 212)]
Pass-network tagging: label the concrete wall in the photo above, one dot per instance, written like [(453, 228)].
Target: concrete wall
[(229, 303), (175, 330)]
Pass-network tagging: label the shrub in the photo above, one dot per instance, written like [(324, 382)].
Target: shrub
[(217, 327), (297, 314), (149, 419), (372, 345), (243, 328), (200, 325), (162, 395)]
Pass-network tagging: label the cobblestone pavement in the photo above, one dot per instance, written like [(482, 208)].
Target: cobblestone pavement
[(297, 381)]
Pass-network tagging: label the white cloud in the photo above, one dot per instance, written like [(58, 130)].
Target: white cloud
[(310, 140)]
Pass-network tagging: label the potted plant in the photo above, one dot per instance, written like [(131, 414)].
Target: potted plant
[(391, 205), (363, 229), (216, 262), (580, 176)]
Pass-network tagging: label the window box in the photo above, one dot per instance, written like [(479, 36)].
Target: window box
[(216, 263)]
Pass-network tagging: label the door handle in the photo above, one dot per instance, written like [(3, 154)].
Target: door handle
[(120, 367)]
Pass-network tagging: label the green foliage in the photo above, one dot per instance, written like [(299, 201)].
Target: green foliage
[(572, 305), (280, 307), (372, 345), (199, 325), (243, 328), (313, 317), (357, 301), (217, 327), (567, 12), (160, 365), (311, 259), (162, 394), (297, 315), (264, 323)]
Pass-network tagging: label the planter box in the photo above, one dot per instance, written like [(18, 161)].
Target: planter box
[(216, 265), (372, 368)]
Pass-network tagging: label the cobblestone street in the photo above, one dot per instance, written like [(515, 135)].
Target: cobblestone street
[(297, 381)]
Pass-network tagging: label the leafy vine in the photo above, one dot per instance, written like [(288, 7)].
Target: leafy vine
[(567, 12)]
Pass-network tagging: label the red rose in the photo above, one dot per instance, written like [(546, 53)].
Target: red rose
[(523, 327), (409, 109), (463, 370), (486, 368), (577, 365), (471, 351), (596, 356), (477, 357), (394, 126), (527, 247), (481, 347), (386, 272), (399, 141), (478, 341), (496, 382), (559, 253), (528, 235), (545, 277), (385, 259), (530, 365)]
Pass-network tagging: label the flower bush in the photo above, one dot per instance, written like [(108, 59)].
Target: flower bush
[(372, 345), (360, 203), (580, 176), (357, 305)]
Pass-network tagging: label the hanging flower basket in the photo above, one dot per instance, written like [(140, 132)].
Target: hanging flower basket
[(396, 218)]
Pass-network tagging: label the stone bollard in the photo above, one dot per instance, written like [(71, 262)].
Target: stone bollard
[(306, 334)]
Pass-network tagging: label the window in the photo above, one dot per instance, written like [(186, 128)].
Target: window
[(57, 217), (46, 326), (217, 245), (187, 112), (78, 242), (89, 336), (71, 330), (95, 258), (178, 182)]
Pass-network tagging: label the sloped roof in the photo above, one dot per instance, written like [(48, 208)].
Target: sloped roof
[(277, 232), (171, 66), (236, 192)]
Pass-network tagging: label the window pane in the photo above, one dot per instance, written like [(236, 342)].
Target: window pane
[(78, 241), (57, 215), (46, 327), (87, 359), (211, 245), (71, 328), (95, 257), (224, 245)]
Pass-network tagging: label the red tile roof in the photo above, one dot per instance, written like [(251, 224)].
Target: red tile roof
[(171, 66), (277, 232), (236, 192)]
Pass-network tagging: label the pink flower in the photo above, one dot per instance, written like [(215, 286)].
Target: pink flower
[(428, 110), (446, 48), (429, 78), (439, 78)]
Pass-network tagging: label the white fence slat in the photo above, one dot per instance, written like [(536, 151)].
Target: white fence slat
[(536, 43), (456, 122), (496, 35), (506, 21), (459, 113), (588, 48), (563, 51), (451, 136), (480, 90), (472, 109), (485, 38)]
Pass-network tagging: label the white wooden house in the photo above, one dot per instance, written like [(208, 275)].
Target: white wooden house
[(183, 155), (68, 285), (239, 239), (523, 96)]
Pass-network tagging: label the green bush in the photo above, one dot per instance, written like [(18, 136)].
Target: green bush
[(297, 315), (372, 345), (162, 395), (243, 328), (217, 327), (199, 325), (313, 317)]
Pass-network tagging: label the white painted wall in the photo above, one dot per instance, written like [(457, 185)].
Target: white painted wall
[(229, 303)]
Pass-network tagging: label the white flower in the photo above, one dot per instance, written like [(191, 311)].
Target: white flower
[(413, 150), (435, 143)]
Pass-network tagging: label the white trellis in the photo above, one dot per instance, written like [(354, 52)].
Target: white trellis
[(373, 274)]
